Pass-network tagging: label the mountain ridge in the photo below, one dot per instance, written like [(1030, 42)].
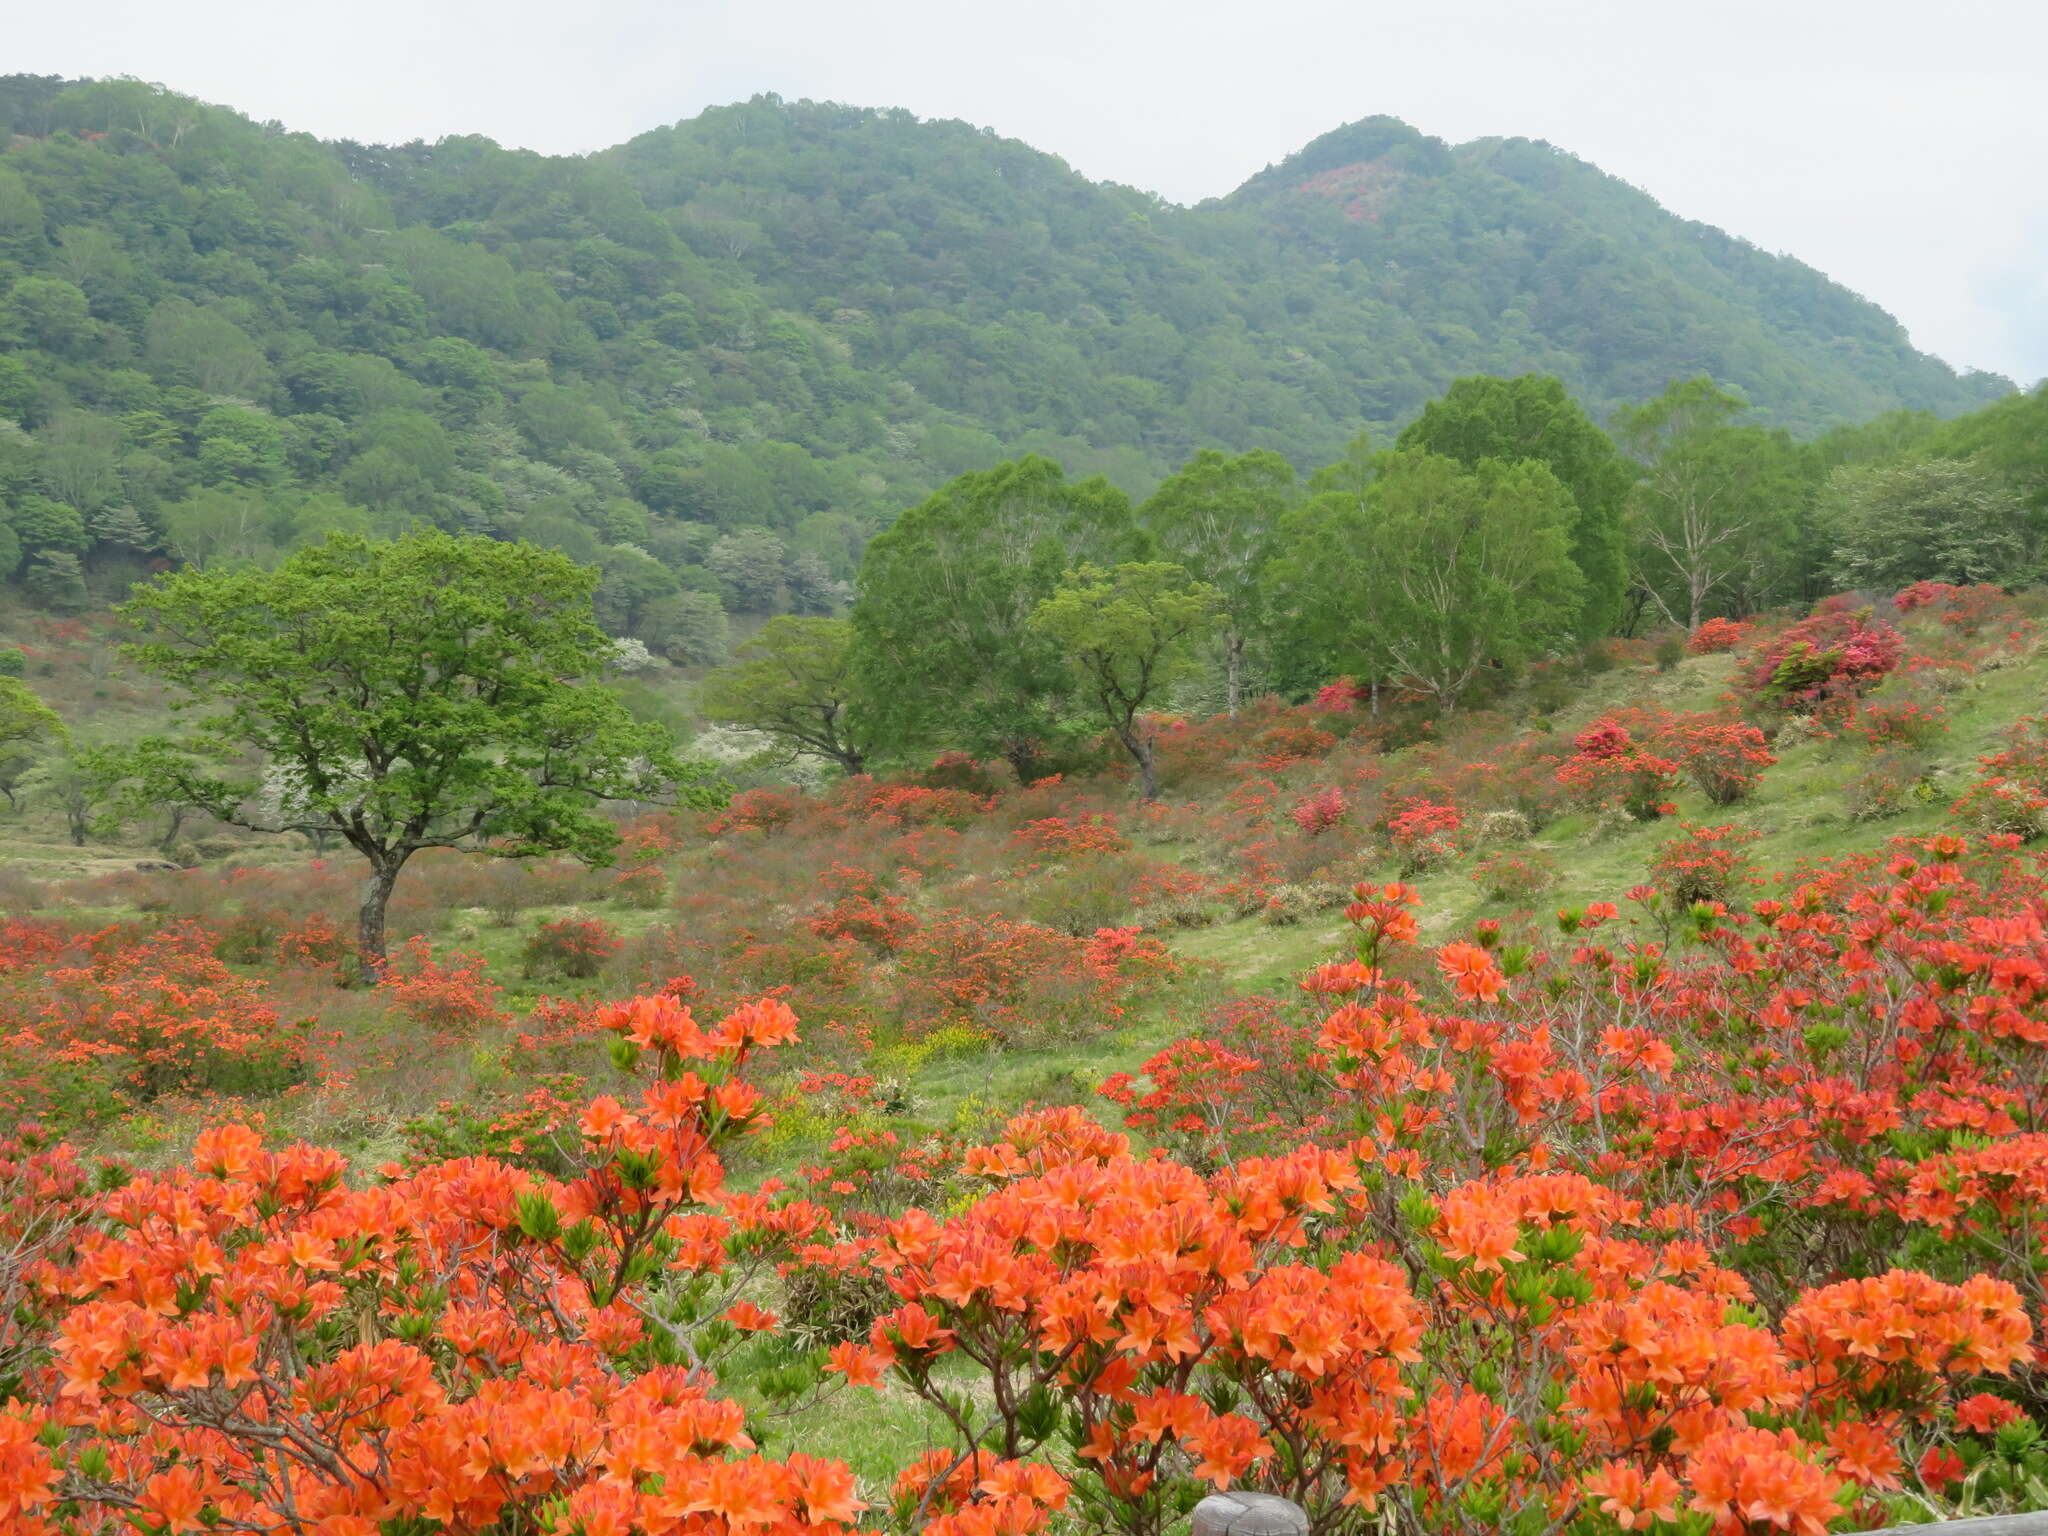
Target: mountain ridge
[(791, 320)]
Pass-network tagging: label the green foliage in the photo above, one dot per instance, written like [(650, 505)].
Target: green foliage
[(1216, 516), (1714, 518), (77, 784), (18, 390), (1126, 633), (28, 727), (689, 627), (43, 526), (1532, 417), (56, 579), (794, 682), (944, 643), (780, 313), (1433, 573), (1924, 519), (436, 691), (2008, 437)]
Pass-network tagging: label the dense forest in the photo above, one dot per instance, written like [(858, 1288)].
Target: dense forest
[(715, 361)]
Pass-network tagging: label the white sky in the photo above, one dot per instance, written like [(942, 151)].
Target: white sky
[(1901, 146)]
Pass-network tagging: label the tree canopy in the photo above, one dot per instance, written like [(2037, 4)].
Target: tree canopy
[(1532, 418), (1126, 634), (794, 682), (1216, 516), (1715, 512), (945, 648), (437, 691), (1433, 572), (1925, 519), (28, 728), (781, 322)]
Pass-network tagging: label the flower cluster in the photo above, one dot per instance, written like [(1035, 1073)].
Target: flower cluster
[(250, 1343), (1716, 636)]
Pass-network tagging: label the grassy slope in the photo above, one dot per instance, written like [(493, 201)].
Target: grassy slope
[(1798, 811)]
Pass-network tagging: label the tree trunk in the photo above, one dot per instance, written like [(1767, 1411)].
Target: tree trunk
[(1024, 759), (1233, 672), (1139, 745), (1639, 599), (170, 838), (370, 943), (80, 823)]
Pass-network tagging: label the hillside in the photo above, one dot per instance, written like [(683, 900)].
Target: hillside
[(1390, 1007), (1523, 244), (1346, 285), (716, 359)]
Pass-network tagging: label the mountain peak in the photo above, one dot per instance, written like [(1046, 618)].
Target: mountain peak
[(1373, 150)]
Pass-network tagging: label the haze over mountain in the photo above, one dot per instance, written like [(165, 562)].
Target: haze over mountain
[(800, 316)]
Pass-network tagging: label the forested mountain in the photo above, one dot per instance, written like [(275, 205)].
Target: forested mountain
[(715, 360)]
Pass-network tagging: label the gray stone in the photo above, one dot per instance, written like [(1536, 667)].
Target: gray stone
[(1257, 1514)]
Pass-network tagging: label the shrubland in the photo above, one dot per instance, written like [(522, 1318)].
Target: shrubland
[(1596, 1108)]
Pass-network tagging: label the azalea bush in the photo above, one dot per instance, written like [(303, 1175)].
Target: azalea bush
[(1831, 656), (1714, 1209), (249, 1342), (1317, 813), (2010, 794), (1704, 864), (1610, 769), (1903, 722), (95, 1022), (1725, 759), (1516, 877), (1716, 636), (1542, 1258), (1425, 834), (451, 993), (570, 947), (1022, 982)]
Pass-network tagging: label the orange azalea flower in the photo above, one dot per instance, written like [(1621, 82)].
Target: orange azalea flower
[(1865, 1453), (1631, 1498), (861, 1367), (1471, 971)]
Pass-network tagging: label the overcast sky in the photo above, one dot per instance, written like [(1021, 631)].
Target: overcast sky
[(1902, 148)]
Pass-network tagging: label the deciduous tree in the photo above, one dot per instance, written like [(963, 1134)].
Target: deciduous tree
[(28, 726), (1217, 517), (1126, 633), (944, 641), (1434, 572), (432, 692), (77, 784), (794, 681), (1714, 509), (1891, 525), (1532, 417)]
